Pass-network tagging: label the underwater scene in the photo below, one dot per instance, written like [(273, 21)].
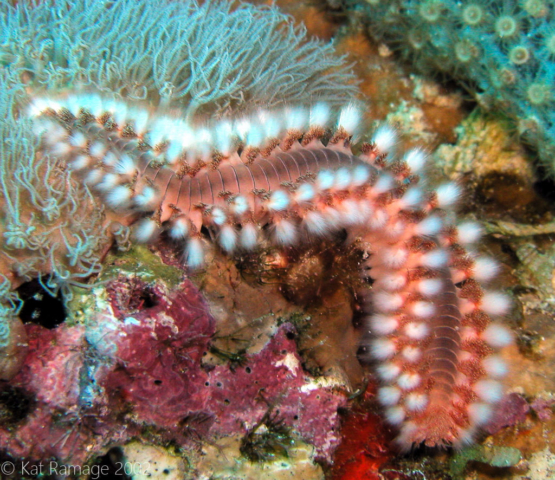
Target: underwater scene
[(291, 239)]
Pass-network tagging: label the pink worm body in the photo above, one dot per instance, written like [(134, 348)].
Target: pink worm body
[(428, 320)]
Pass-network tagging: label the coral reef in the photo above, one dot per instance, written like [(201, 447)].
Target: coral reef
[(502, 51), (101, 384)]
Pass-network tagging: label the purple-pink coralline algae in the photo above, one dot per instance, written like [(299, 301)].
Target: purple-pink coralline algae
[(128, 375)]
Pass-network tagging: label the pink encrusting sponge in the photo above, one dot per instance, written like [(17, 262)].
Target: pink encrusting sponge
[(271, 176)]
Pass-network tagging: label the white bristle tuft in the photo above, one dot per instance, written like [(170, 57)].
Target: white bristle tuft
[(218, 216), (416, 402), (430, 287), (97, 149), (465, 437), (159, 132), (296, 118), (255, 136), (319, 115), (146, 197), (125, 166), (223, 132), (120, 115), (495, 366), (423, 309), (382, 348), (395, 229), (94, 176), (37, 107), (315, 223), (179, 229), (333, 217), (416, 331), (351, 214), (395, 415), (61, 149), (391, 282), (78, 139), (383, 324), (146, 230), (140, 121), (485, 269), (378, 219), (80, 162), (110, 159), (228, 238), (52, 104), (285, 232), (408, 380), (305, 193), (187, 138), (489, 390), (108, 182), (119, 196), (342, 179), (56, 137), (384, 139), (388, 302), (412, 198), (430, 226), (249, 236), (389, 396), (194, 253), (480, 413), (242, 127), (174, 152), (93, 103), (271, 124), (324, 180), (495, 303), (349, 118), (411, 354), (239, 205), (203, 136), (388, 371), (384, 184), (469, 233), (279, 200), (111, 106), (435, 259), (394, 257), (497, 336), (73, 104), (360, 175), (40, 128), (415, 159), (447, 195)]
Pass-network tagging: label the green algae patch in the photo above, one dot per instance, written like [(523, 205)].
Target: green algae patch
[(494, 456), (141, 262)]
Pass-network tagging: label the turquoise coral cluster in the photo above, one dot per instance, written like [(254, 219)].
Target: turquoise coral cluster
[(503, 51)]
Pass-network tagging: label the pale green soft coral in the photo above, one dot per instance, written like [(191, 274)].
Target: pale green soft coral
[(208, 57), (52, 228), (9, 308)]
